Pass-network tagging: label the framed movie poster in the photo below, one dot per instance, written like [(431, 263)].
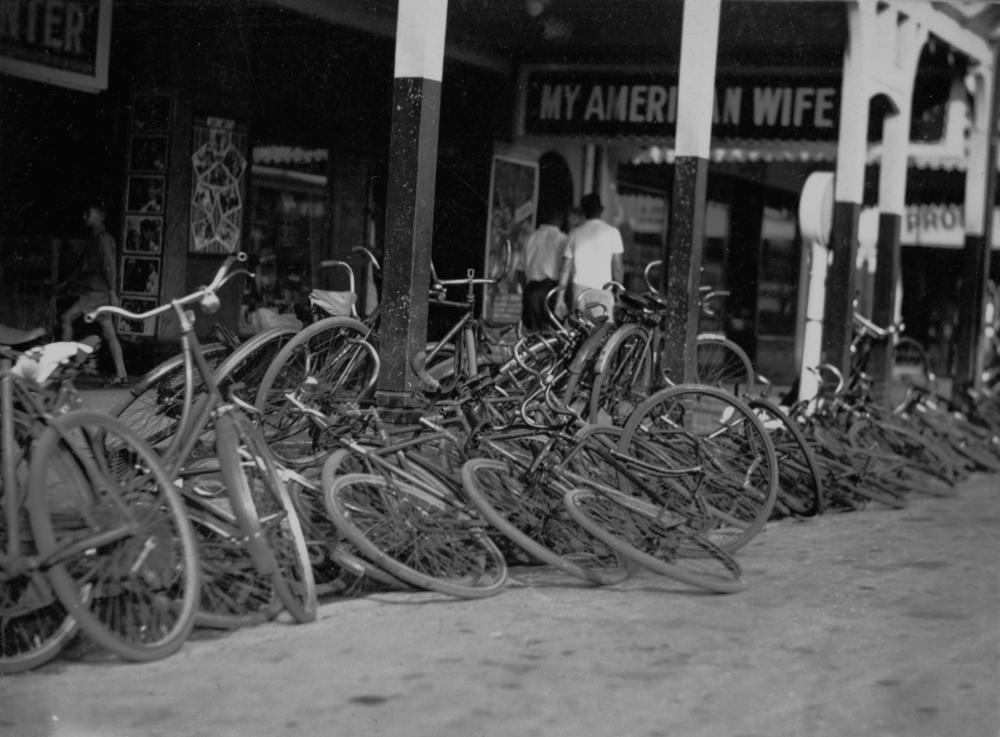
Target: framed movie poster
[(137, 328), (145, 194), (143, 234), (513, 202), (148, 154), (141, 276)]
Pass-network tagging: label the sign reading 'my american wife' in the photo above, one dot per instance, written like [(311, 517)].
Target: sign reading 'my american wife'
[(62, 42), (582, 102)]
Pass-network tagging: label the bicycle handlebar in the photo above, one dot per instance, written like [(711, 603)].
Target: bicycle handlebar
[(205, 294), (470, 279), (867, 326)]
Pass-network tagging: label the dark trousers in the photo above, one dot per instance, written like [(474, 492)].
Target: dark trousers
[(533, 313)]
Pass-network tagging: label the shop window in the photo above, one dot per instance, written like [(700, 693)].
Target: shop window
[(289, 204), (777, 292)]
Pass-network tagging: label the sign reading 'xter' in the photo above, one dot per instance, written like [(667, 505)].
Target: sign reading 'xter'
[(64, 42)]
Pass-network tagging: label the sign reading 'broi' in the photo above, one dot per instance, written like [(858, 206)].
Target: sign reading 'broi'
[(62, 42), (582, 102)]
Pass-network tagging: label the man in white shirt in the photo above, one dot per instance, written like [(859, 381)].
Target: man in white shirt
[(594, 257), (539, 272)]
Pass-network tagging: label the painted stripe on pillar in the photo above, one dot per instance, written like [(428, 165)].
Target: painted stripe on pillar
[(696, 85), (420, 34)]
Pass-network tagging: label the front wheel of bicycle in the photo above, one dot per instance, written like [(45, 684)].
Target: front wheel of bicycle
[(263, 505), (534, 520), (655, 540), (113, 533), (418, 537), (731, 481)]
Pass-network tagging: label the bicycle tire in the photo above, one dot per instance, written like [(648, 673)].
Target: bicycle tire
[(34, 625), (262, 504), (800, 484), (535, 523), (249, 362), (723, 364), (155, 409), (623, 374), (737, 483), (90, 476), (639, 532), (416, 536), (233, 592), (336, 378), (580, 372)]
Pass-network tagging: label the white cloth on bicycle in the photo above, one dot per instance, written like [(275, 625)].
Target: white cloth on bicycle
[(38, 364), (334, 303)]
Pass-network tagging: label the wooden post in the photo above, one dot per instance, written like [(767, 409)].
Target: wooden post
[(413, 146), (681, 275)]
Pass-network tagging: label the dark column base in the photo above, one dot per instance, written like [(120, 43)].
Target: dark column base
[(681, 275), (838, 304), (884, 303)]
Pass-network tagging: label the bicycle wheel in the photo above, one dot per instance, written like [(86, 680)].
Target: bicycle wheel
[(799, 483), (731, 483), (723, 364), (656, 540), (534, 520), (233, 592), (248, 363), (34, 625), (417, 536), (579, 383), (623, 375), (328, 366), (158, 399), (263, 505), (112, 529)]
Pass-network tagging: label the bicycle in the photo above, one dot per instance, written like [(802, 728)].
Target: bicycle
[(95, 535), (237, 492)]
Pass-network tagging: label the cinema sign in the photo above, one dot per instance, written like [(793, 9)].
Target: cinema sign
[(61, 42), (643, 103)]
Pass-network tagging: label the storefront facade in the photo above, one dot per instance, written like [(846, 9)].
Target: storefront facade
[(224, 128)]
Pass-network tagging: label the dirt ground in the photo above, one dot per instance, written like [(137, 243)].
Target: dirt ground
[(872, 623)]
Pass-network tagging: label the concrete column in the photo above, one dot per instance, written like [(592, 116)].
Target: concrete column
[(848, 189), (910, 38), (980, 188), (681, 275), (413, 146)]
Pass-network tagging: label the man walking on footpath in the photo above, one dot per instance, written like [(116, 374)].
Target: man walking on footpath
[(539, 272), (593, 257), (93, 283)]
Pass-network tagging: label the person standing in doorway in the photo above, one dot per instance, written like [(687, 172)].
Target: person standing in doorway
[(93, 282), (593, 257), (539, 269)]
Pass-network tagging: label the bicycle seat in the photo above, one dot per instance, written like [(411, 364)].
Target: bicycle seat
[(334, 303)]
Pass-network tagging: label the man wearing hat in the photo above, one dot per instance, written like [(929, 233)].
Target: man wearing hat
[(594, 257)]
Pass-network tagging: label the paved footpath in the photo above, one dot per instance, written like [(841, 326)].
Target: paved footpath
[(862, 625)]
